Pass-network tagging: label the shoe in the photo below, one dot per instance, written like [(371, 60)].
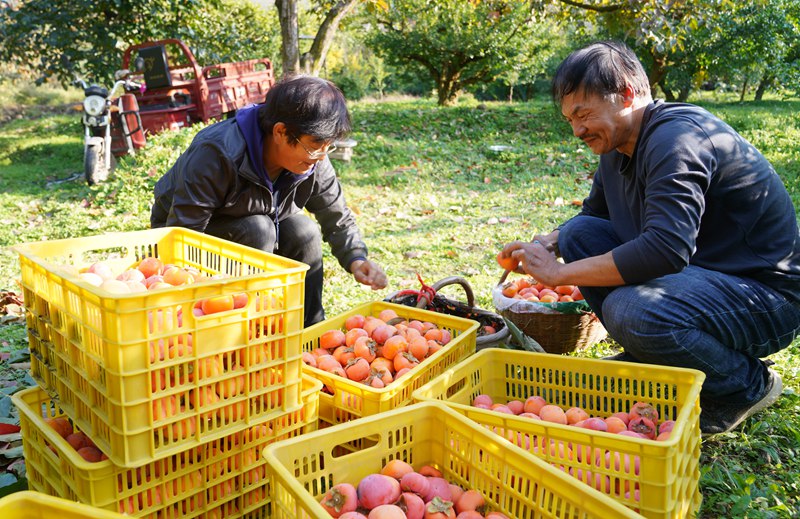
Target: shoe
[(721, 418)]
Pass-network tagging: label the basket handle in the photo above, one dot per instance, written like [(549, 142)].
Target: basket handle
[(451, 280)]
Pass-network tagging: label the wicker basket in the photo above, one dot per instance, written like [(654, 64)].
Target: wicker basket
[(430, 300), (559, 333)]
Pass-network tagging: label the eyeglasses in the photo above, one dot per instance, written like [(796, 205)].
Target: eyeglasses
[(316, 154)]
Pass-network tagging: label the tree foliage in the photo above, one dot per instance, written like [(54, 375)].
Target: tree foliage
[(87, 37), (458, 43)]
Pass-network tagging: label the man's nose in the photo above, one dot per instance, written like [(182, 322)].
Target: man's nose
[(578, 129)]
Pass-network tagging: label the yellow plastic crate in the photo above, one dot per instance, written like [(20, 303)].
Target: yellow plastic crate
[(668, 475), (222, 478), (28, 504), (352, 399), (115, 361), (512, 481)]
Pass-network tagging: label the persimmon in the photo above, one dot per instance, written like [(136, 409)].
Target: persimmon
[(327, 363), (396, 468), (643, 426), (150, 266), (382, 364), (509, 290), (353, 334), (404, 360), (309, 359), (575, 415), (343, 354), (61, 425), (377, 489), (340, 499), (412, 505), (384, 375), (365, 348), (393, 346), (91, 454), (507, 262), (383, 333), (644, 409), (401, 372), (415, 482), (553, 413), (354, 321), (77, 440), (387, 314), (418, 347), (240, 300), (433, 347), (615, 425), (357, 369), (470, 500), (331, 339), (438, 508), (213, 305), (430, 471), (440, 488), (386, 512), (176, 276), (516, 406)]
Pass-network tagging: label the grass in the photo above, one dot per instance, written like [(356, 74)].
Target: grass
[(433, 200)]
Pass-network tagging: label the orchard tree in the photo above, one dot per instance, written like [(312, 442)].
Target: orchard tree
[(761, 46), (88, 37), (328, 14), (43, 37), (458, 43), (658, 31)]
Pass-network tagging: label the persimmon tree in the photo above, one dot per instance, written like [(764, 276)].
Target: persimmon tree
[(457, 43)]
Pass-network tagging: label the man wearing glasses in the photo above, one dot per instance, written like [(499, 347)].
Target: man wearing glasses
[(247, 179)]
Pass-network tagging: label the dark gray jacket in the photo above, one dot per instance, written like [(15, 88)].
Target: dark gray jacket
[(214, 176)]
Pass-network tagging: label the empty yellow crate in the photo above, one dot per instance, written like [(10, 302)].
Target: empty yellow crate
[(28, 504), (221, 478), (667, 480), (512, 481), (117, 361), (352, 399)]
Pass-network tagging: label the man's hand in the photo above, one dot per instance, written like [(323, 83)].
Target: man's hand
[(369, 273), (535, 260)]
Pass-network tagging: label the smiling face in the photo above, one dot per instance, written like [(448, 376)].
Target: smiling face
[(604, 123)]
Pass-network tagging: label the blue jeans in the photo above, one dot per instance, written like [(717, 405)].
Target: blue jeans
[(717, 323), (298, 238)]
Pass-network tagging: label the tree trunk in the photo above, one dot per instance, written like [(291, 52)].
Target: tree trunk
[(763, 85), (447, 90), (683, 93), (744, 91), (658, 72), (510, 93), (290, 40), (313, 60), (668, 94)]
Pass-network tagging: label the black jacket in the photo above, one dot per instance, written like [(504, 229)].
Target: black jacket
[(214, 176)]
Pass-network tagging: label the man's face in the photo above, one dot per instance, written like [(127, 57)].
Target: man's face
[(601, 122)]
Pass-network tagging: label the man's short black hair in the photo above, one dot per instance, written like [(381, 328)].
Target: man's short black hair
[(600, 68), (307, 105)]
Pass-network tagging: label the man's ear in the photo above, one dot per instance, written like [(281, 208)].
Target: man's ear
[(279, 130), (628, 95)]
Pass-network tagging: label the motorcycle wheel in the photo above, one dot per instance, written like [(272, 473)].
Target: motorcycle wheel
[(94, 165)]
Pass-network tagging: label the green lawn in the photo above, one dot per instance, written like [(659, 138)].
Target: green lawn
[(433, 200)]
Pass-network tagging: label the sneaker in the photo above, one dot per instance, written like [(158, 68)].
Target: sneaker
[(718, 419)]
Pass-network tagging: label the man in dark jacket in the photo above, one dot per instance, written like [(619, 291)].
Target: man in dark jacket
[(687, 247), (248, 180)]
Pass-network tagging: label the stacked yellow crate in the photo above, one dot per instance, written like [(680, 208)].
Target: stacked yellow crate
[(159, 387)]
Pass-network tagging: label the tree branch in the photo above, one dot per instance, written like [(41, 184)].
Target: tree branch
[(597, 9)]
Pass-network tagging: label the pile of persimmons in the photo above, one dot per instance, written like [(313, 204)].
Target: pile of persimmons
[(376, 350), (399, 491)]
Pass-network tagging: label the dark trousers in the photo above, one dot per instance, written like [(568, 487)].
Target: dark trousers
[(298, 237), (717, 323)]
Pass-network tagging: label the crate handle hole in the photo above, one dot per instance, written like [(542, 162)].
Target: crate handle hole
[(345, 449)]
